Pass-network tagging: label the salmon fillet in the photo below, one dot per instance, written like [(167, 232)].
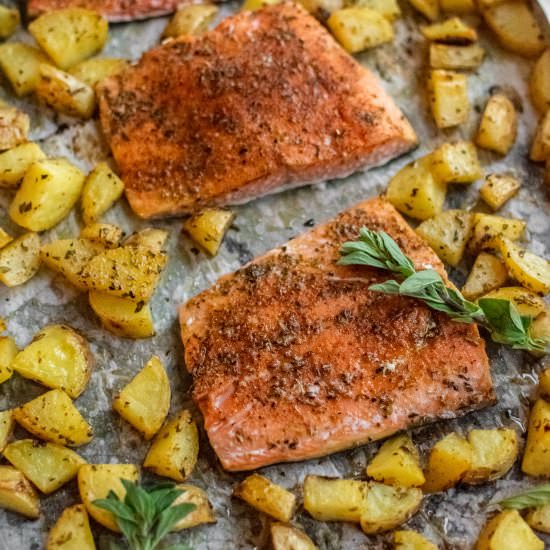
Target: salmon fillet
[(292, 356), (265, 101)]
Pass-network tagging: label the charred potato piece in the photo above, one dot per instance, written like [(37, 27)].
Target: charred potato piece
[(488, 229), (9, 21), (498, 189), (267, 497), (499, 125), (448, 93), (15, 162), (428, 8), (20, 260), (101, 190), (536, 457), (208, 228), (202, 513), (456, 162), (190, 20), (450, 31), (6, 427), (92, 71), (17, 494), (14, 127), (527, 302), (539, 82), (539, 518), (71, 531), (411, 540), (287, 537), (8, 351), (540, 148), (21, 65), (104, 234), (446, 56), (508, 530)]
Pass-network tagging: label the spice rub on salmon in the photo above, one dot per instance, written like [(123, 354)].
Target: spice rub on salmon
[(292, 356), (265, 101)]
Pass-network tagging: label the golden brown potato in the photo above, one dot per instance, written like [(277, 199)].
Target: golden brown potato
[(539, 518), (190, 20), (388, 8), (208, 228), (536, 457), (5, 238), (53, 417), (101, 190), (150, 238), (96, 480), (448, 95), (14, 127), (428, 8), (49, 190), (267, 497), (458, 6), (17, 494), (15, 162), (175, 448), (499, 124), (47, 465), (71, 531), (450, 31), (6, 427), (498, 189), (411, 540), (544, 384), (21, 65), (456, 162), (539, 82), (104, 234), (202, 513), (9, 21), (331, 499), (70, 35), (508, 530), (540, 148), (20, 260), (287, 537), (92, 71), (145, 400), (446, 56), (527, 302), (489, 228), (488, 273), (397, 463), (58, 357), (8, 350), (360, 28)]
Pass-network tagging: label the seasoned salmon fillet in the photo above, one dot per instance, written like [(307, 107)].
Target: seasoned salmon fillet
[(265, 101), (292, 356)]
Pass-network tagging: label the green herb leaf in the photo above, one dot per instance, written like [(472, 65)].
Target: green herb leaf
[(538, 496)]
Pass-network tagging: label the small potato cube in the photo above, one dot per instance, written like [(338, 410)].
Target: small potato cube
[(64, 93), (428, 8), (508, 530), (70, 35), (21, 65), (6, 428), (101, 190), (516, 28), (386, 507), (358, 29), (450, 458), (17, 494), (49, 190), (448, 92), (71, 531), (330, 499), (411, 540), (267, 497), (190, 20), (20, 260), (48, 465), (122, 316), (5, 238), (58, 357), (446, 56), (527, 302), (498, 189), (539, 82), (8, 351), (92, 71), (536, 457), (202, 513), (494, 453), (397, 463), (103, 234), (53, 417), (448, 233), (458, 6), (388, 8), (456, 162), (539, 518), (415, 192), (14, 127), (15, 162), (450, 31), (208, 228), (532, 271), (540, 148), (488, 228), (287, 537), (150, 238), (253, 5), (145, 401), (175, 448), (499, 124), (95, 481), (9, 21)]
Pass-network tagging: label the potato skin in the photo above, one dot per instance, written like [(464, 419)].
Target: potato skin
[(285, 537), (499, 125), (20, 260), (539, 82), (536, 457)]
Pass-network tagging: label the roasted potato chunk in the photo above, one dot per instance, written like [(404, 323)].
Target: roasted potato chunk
[(450, 31), (397, 463), (536, 457), (527, 302), (145, 401), (21, 65), (71, 531), (150, 238), (532, 271), (95, 481), (5, 238), (9, 21), (92, 71), (498, 189), (456, 162), (6, 427), (448, 94), (47, 465), (202, 513), (208, 228), (58, 357), (544, 383), (508, 530), (360, 28), (458, 6), (498, 127), (175, 448), (448, 233), (516, 28), (445, 56), (488, 229), (386, 507), (267, 497), (190, 20), (539, 518), (15, 162), (14, 127), (20, 260), (123, 316), (330, 499), (428, 8), (415, 191), (48, 192), (101, 190), (450, 458), (70, 35), (388, 8), (539, 82), (540, 148), (17, 494), (8, 351), (104, 234), (53, 417), (287, 537), (411, 540)]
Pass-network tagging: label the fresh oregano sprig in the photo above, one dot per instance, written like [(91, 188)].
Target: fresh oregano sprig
[(147, 514), (532, 498), (499, 317)]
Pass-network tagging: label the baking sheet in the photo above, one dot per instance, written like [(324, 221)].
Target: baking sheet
[(452, 519)]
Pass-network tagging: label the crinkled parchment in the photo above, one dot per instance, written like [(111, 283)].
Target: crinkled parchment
[(452, 519)]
